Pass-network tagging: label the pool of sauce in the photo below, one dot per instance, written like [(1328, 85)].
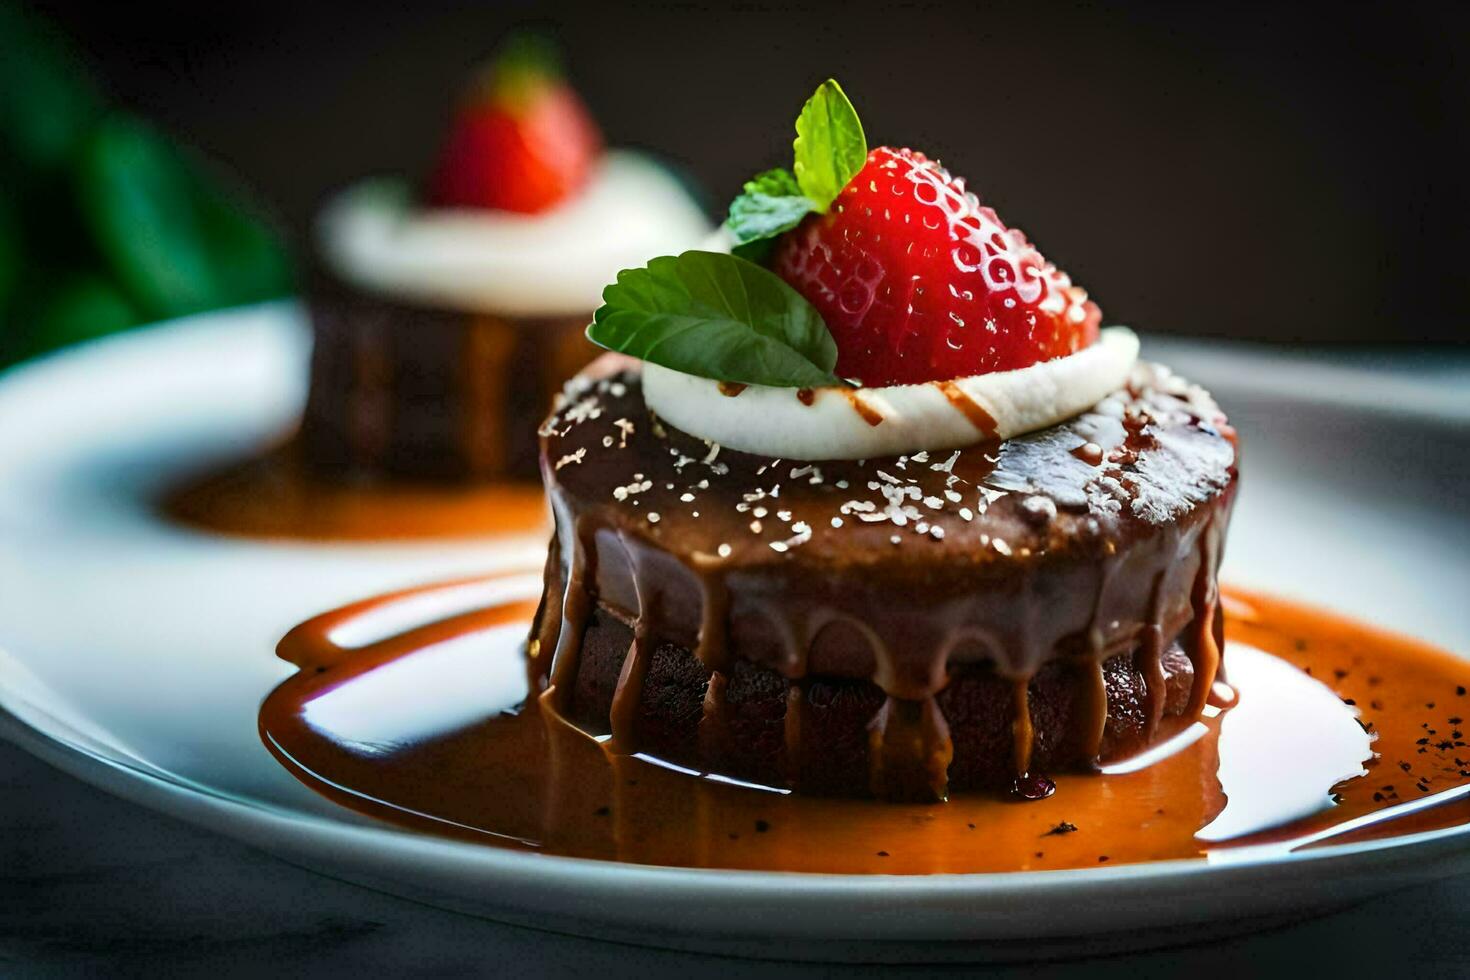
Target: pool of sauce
[(409, 708), (274, 496)]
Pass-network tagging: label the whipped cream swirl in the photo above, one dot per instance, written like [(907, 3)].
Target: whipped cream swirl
[(866, 423), (549, 264)]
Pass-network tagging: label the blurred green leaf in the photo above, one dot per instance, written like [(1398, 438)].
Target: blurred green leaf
[(136, 198), (104, 221), (67, 310), (175, 242), (10, 254), (84, 307), (47, 99), (249, 260)]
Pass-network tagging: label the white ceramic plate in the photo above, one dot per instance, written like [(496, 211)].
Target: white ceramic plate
[(134, 654)]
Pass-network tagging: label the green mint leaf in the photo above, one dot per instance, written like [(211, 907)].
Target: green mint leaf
[(716, 316), (777, 182), (830, 145), (771, 204)]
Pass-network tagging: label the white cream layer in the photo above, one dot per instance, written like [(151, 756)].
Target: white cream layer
[(550, 264), (865, 423)]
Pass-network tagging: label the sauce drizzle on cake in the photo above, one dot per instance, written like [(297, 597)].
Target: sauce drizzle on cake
[(972, 617), (430, 728)]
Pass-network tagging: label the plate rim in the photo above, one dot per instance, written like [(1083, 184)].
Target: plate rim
[(43, 735)]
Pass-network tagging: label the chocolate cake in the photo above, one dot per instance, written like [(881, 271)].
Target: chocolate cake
[(902, 627), (413, 391), (447, 316)]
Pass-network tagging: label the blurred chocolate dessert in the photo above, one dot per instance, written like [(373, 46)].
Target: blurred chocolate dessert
[(445, 320), (445, 323)]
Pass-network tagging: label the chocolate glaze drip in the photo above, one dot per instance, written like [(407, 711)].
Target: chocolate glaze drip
[(490, 348), (521, 777), (1094, 723), (714, 733), (413, 392), (1023, 732), (818, 733), (791, 731), (1205, 651), (909, 750), (576, 602), (899, 571), (712, 648), (624, 712), (1150, 656)]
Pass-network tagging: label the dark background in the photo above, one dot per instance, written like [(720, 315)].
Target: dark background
[(1273, 172)]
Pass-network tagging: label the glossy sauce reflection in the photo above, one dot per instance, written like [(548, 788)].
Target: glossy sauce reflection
[(273, 496), (424, 727)]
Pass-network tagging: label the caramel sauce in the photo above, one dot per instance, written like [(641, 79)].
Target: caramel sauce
[(490, 346), (274, 496), (867, 412), (731, 388), (969, 408), (1090, 453), (1330, 731), (912, 687)]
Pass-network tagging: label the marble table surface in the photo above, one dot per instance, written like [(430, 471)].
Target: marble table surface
[(91, 885)]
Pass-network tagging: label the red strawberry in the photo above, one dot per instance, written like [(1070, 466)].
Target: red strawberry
[(523, 142), (918, 282)]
